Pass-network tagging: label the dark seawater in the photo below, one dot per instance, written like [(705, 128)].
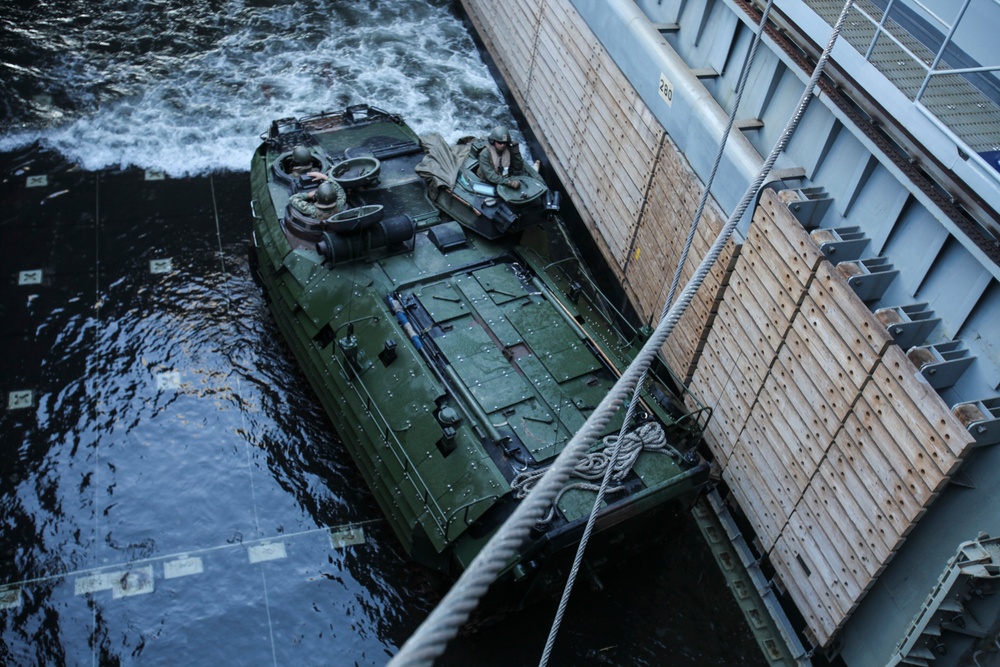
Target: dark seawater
[(170, 491)]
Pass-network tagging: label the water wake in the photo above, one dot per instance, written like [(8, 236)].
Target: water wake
[(186, 86)]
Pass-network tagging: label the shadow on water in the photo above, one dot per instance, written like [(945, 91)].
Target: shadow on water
[(666, 606)]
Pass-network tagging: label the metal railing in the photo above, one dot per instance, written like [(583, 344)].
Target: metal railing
[(935, 66)]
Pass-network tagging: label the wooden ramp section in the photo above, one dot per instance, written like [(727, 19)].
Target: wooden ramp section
[(827, 441), (826, 438)]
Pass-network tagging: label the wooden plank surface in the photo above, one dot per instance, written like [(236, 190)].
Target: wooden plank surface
[(558, 78), (807, 443), (862, 465), (554, 132), (924, 411), (626, 139), (727, 332), (714, 385), (747, 456), (854, 557), (747, 314), (773, 452), (830, 574), (508, 38), (794, 239), (855, 324), (749, 501), (554, 68), (823, 374), (809, 400), (753, 489), (830, 513), (861, 509), (826, 351), (812, 603), (629, 156), (739, 363), (656, 251), (672, 177), (900, 457), (787, 275), (781, 304), (741, 333), (686, 337), (765, 233)]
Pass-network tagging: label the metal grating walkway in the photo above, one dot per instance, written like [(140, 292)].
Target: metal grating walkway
[(954, 100)]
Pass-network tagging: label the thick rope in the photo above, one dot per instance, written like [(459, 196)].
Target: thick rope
[(633, 404), (598, 465), (432, 637)]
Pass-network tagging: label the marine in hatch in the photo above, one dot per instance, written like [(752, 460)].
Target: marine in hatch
[(501, 161), (321, 203)]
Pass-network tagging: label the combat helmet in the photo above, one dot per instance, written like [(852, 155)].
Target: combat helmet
[(500, 133), (301, 157), (327, 195)]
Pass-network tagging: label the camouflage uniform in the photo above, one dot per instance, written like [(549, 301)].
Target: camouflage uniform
[(307, 206), (494, 174)]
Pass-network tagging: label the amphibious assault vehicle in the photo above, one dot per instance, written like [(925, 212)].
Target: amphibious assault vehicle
[(456, 340)]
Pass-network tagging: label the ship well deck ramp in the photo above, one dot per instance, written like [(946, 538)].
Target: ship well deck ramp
[(846, 339)]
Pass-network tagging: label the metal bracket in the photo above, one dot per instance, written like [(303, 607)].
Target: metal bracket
[(908, 325), (840, 244), (982, 419), (809, 210), (869, 278), (942, 364)]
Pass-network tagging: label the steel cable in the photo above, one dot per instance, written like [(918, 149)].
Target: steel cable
[(630, 413), (432, 637)]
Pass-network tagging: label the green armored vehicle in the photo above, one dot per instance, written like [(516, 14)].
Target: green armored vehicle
[(455, 340)]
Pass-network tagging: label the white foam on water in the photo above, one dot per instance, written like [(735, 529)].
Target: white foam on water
[(195, 98)]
